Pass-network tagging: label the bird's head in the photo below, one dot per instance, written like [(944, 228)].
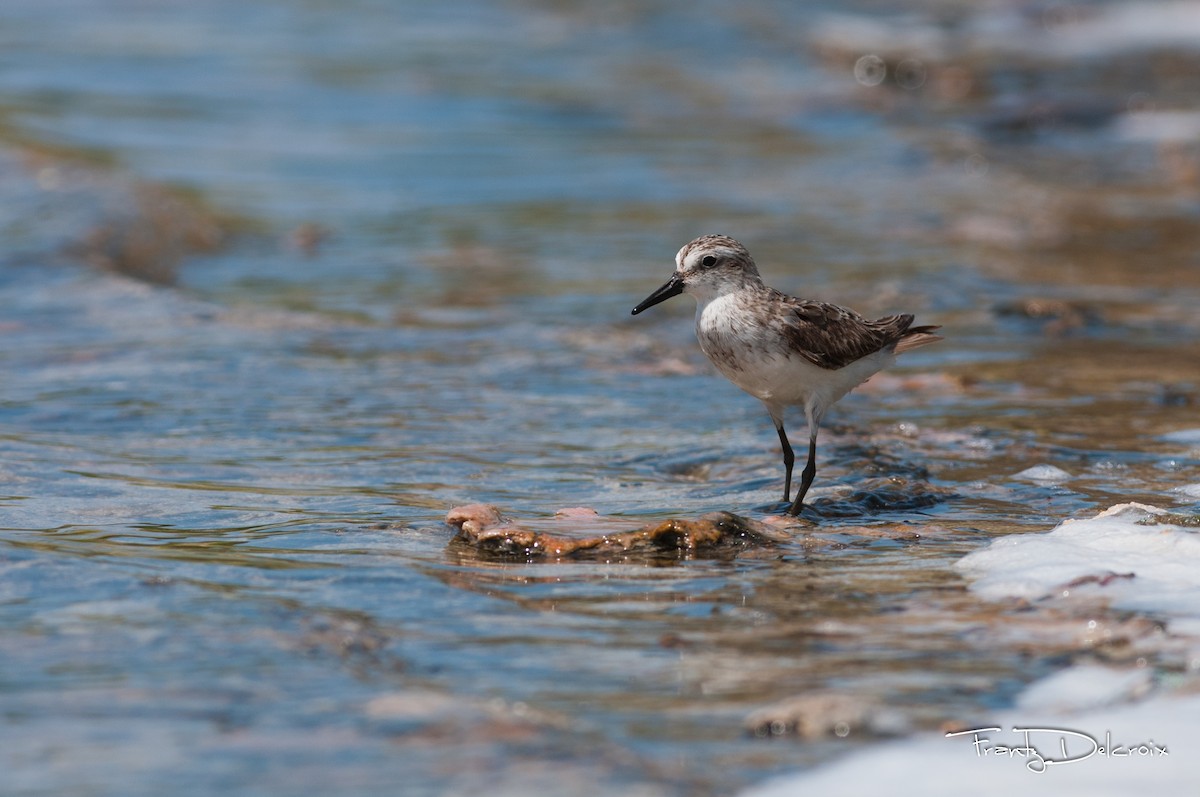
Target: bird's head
[(707, 267)]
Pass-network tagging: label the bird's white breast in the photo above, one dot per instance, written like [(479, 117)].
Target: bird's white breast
[(747, 344)]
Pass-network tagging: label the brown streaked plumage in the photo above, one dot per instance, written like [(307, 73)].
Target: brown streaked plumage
[(782, 350)]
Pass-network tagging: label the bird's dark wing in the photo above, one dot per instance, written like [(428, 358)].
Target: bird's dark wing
[(833, 337)]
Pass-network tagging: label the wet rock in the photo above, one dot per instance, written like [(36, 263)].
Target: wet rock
[(308, 237), (900, 532), (64, 203), (577, 512), (483, 528), (933, 383), (879, 495), (342, 634), (824, 714), (472, 519), (1172, 519), (451, 717), (1176, 395), (1101, 579), (1055, 316), (1040, 114), (1116, 639), (1023, 230), (152, 230)]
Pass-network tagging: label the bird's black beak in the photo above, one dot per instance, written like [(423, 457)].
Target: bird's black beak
[(672, 287)]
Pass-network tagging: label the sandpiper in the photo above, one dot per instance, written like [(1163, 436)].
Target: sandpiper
[(784, 351)]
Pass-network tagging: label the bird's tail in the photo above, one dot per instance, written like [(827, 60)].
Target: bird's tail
[(918, 336)]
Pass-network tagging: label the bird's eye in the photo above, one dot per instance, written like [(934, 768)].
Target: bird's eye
[(709, 261)]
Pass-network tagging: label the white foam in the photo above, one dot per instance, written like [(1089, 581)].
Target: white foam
[(1085, 687), (1134, 564), (935, 765), (1159, 126), (1043, 473)]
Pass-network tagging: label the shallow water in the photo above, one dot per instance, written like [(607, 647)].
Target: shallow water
[(283, 283)]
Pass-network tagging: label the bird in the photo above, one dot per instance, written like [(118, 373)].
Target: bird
[(784, 351)]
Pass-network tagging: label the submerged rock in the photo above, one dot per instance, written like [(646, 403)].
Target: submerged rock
[(483, 527), (823, 714), (1056, 317), (873, 496)]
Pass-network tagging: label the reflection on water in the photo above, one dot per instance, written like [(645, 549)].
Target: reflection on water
[(283, 283)]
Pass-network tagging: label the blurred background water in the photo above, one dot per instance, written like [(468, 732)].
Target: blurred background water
[(285, 280)]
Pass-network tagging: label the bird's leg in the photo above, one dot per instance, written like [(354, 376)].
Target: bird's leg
[(810, 470), (789, 459)]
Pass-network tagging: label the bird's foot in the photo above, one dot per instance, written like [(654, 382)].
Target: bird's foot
[(784, 507)]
